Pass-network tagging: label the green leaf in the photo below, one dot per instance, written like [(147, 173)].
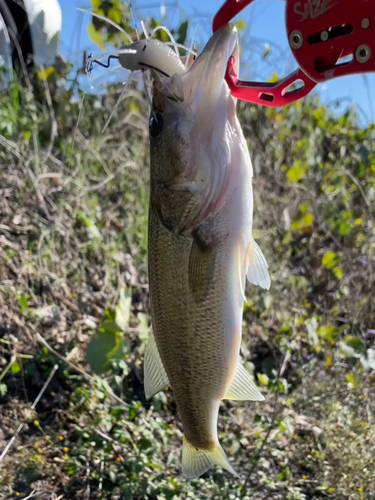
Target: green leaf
[(338, 272), (123, 311), (329, 259), (263, 378), (304, 223), (109, 326), (15, 368), (353, 346), (304, 206), (104, 347), (241, 26), (93, 229), (282, 427), (344, 228), (327, 332), (45, 73), (273, 78), (23, 301), (295, 173), (182, 32), (3, 389), (142, 327), (96, 35)]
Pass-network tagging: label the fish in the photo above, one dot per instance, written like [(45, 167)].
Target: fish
[(200, 249)]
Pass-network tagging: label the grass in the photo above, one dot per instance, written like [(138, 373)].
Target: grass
[(73, 234)]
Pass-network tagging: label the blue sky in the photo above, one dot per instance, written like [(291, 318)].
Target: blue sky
[(265, 20)]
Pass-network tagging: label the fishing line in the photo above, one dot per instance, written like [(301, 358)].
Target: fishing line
[(134, 19), (109, 21), (118, 102), (144, 30), (191, 51), (171, 37)]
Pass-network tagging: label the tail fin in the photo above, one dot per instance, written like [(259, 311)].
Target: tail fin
[(196, 462)]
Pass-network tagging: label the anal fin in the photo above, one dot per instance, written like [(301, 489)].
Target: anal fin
[(156, 378), (257, 268), (242, 387), (196, 461)]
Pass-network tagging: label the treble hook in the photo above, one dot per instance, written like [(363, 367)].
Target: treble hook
[(90, 62)]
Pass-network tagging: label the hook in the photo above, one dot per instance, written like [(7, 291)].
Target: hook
[(90, 62)]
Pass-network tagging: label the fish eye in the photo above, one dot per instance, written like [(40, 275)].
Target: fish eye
[(156, 124)]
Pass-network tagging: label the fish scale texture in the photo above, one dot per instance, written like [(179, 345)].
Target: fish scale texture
[(191, 337)]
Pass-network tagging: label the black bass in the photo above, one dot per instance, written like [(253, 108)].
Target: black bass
[(200, 249)]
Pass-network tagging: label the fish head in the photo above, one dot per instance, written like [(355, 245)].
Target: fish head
[(189, 143)]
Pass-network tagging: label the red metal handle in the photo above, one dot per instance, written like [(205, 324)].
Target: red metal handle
[(280, 93), (331, 38), (277, 94), (328, 38)]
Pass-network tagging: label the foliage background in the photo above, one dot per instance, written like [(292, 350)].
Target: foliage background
[(73, 234)]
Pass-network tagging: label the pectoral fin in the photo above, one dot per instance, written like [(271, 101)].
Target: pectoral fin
[(242, 388), (201, 270), (156, 378), (257, 269)]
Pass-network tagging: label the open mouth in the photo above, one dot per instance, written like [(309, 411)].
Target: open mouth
[(203, 82)]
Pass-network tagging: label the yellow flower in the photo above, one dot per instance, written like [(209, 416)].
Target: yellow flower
[(95, 399), (304, 477), (36, 445), (171, 425), (36, 422), (360, 490), (61, 438), (127, 356), (118, 459), (16, 493), (65, 449)]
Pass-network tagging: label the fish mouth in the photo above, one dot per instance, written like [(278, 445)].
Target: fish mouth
[(203, 82)]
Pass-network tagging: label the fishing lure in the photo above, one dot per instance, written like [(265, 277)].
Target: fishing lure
[(144, 55)]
